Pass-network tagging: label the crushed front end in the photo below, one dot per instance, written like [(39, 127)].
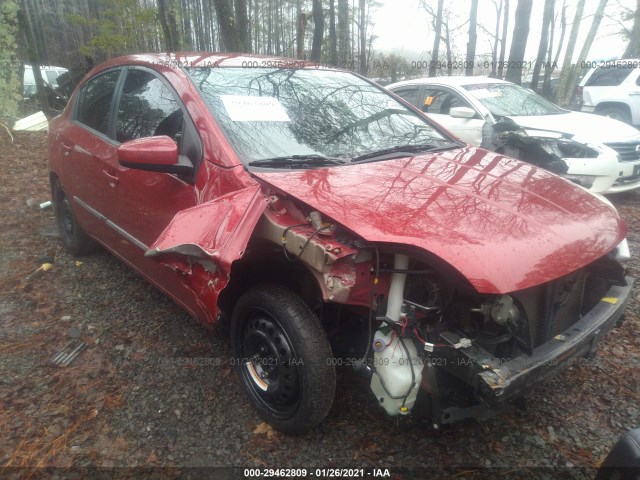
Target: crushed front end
[(453, 354)]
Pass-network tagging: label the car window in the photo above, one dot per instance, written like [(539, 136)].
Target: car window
[(508, 99), (147, 108), (441, 100), (95, 101), (609, 75), (410, 94), (269, 113)]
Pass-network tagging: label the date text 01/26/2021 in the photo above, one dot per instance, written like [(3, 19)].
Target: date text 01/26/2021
[(317, 472)]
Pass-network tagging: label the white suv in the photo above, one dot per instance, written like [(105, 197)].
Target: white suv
[(612, 89)]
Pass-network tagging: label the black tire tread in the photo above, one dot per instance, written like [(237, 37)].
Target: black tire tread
[(81, 244), (312, 346)]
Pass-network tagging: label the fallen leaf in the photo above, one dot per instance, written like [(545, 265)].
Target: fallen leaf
[(266, 429)]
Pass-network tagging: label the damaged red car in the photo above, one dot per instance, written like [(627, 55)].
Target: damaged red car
[(331, 224)]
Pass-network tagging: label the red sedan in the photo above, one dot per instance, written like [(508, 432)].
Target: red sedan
[(333, 224)]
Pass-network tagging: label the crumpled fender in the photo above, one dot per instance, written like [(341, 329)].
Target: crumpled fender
[(218, 230)]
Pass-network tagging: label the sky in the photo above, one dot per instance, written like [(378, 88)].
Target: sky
[(403, 27)]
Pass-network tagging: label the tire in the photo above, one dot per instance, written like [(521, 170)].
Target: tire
[(617, 113), (282, 356), (73, 237)]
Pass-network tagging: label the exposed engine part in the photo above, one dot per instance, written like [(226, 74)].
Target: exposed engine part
[(398, 371), (504, 311), (544, 148), (315, 218)]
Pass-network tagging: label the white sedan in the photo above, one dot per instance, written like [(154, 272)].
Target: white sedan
[(599, 153)]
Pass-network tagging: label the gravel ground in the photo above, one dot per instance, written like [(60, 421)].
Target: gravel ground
[(153, 388)]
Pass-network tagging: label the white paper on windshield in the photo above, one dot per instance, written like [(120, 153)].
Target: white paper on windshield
[(484, 93), (245, 108)]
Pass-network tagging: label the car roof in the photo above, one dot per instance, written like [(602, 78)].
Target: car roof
[(209, 59), (455, 80)]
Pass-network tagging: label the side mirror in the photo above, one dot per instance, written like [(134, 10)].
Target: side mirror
[(154, 154), (462, 112)]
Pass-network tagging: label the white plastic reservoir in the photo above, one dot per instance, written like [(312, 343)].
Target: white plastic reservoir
[(393, 368)]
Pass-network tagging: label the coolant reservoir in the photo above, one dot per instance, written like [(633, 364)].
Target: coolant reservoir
[(393, 368)]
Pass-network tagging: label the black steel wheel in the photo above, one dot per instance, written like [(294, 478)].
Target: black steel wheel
[(283, 358), (73, 237)]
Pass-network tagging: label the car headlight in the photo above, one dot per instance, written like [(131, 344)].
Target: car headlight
[(573, 149), (585, 181)]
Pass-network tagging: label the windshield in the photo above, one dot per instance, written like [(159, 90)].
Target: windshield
[(313, 115), (507, 99)]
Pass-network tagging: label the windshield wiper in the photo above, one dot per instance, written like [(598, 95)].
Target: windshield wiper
[(402, 149), (297, 161)]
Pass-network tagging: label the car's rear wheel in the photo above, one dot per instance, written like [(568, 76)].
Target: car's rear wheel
[(283, 358), (73, 237), (617, 113)]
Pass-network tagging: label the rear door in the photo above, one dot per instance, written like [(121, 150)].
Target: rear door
[(88, 151)]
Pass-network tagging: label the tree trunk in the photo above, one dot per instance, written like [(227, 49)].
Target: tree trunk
[(363, 38), (242, 24), (447, 48), (572, 81), (26, 26), (229, 37), (333, 41), (471, 45), (343, 32), (503, 41), (300, 21), (494, 50), (633, 48), (568, 56), (10, 82), (318, 30), (186, 25), (544, 42), (169, 24), (436, 41), (519, 41)]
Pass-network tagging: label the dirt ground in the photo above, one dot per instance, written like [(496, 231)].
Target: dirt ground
[(155, 389)]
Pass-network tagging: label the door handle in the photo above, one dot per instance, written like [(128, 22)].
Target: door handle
[(634, 93), (66, 149), (113, 178)]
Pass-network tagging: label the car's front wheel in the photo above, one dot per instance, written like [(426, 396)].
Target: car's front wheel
[(73, 237), (283, 358)]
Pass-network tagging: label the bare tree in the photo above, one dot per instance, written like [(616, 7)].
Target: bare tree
[(229, 35), (333, 41), (572, 81), (519, 41), (633, 47), (471, 44), (169, 24), (25, 23), (242, 24), (561, 92), (547, 16), (437, 31), (318, 30), (496, 37), (503, 42), (552, 62), (343, 31), (363, 37)]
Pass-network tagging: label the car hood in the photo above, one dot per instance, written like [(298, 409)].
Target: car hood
[(503, 224), (594, 128)]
